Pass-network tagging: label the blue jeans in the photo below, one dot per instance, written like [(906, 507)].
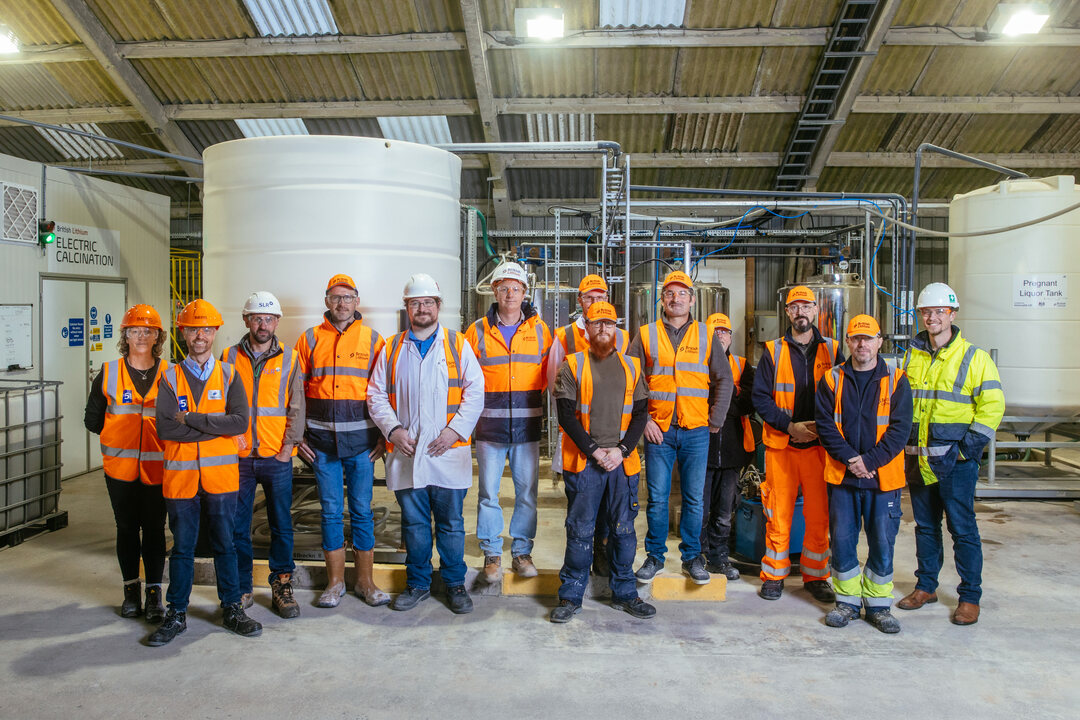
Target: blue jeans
[(276, 480), (184, 524), (690, 448), (955, 496), (418, 507), (584, 492), (333, 475), (852, 509), (524, 469)]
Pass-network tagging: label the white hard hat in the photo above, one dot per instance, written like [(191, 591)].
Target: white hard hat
[(262, 303), (510, 271), (421, 285), (937, 295)]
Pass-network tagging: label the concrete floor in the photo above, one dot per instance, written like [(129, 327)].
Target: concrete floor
[(66, 652)]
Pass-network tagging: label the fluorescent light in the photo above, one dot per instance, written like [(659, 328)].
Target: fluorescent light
[(538, 23), (1018, 18), (9, 44)]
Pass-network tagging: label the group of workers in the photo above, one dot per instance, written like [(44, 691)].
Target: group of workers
[(193, 441)]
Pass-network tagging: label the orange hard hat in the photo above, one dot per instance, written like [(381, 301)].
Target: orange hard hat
[(592, 282), (800, 293), (863, 325), (601, 311), (199, 313), (718, 320), (143, 315), (678, 276), (341, 279)]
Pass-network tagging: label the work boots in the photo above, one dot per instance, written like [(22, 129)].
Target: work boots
[(365, 588), (155, 610), (283, 602), (492, 569), (132, 606), (174, 624), (335, 579), (234, 618)]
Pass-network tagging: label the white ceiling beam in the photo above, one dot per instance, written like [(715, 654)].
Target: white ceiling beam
[(359, 109), (139, 166), (1006, 105), (318, 45), (934, 36)]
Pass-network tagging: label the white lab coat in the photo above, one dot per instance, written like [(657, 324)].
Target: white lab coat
[(421, 409)]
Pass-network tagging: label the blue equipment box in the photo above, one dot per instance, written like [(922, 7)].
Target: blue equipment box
[(749, 530)]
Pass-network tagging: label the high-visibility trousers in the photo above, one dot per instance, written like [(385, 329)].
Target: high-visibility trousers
[(785, 472)]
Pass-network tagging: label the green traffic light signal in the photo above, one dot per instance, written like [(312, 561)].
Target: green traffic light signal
[(46, 232)]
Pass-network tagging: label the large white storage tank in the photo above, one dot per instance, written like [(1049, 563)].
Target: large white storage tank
[(285, 214), (1014, 288)]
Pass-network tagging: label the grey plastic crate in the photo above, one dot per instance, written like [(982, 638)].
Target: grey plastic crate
[(29, 457)]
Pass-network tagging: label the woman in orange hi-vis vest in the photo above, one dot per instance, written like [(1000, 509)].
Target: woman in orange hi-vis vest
[(120, 409), (787, 377)]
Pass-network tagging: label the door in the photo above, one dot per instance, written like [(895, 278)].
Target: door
[(79, 330)]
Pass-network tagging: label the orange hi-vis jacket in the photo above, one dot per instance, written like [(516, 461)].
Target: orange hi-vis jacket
[(268, 398), (212, 465), (738, 364), (784, 383), (453, 342), (572, 458), (573, 339), (891, 475), (130, 446), (336, 367), (514, 377), (677, 379)]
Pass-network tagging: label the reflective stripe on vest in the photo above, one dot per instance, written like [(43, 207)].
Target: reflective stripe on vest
[(213, 464), (891, 474), (336, 369), (737, 365), (678, 380), (268, 401), (581, 365), (130, 446), (784, 383), (453, 342)]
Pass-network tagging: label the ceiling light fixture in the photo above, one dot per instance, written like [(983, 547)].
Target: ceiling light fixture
[(1012, 19), (9, 44), (538, 23)]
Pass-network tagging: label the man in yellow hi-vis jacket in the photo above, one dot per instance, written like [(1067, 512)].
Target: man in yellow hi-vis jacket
[(958, 406)]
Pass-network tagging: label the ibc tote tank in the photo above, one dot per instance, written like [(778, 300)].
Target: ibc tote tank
[(1018, 290), (287, 213)]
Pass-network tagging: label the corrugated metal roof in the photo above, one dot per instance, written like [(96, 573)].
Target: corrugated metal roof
[(36, 22), (28, 87), (388, 17), (635, 71), (704, 72), (869, 180), (863, 132), (636, 133), (539, 184), (1040, 71), (275, 18), (426, 129), (634, 13), (765, 132), (414, 76), (175, 81), (132, 132), (895, 69), (28, 143), (1061, 133), (985, 133), (577, 14), (907, 132), (705, 132), (786, 70), (467, 128), (204, 133), (271, 127), (729, 14), (560, 127), (76, 147), (964, 70), (87, 83), (136, 20), (357, 127), (314, 78), (474, 184)]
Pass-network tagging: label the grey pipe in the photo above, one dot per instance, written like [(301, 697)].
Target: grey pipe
[(125, 173), (518, 148), (102, 138)]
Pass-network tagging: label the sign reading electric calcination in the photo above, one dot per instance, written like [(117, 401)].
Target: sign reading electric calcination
[(83, 250)]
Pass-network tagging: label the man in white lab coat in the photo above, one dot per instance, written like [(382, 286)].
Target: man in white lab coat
[(426, 395)]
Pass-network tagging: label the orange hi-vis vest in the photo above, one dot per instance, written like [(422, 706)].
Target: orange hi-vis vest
[(514, 379), (574, 339), (453, 343), (677, 379), (580, 364), (738, 364), (890, 475), (130, 446), (336, 366), (268, 398), (212, 465), (784, 383)]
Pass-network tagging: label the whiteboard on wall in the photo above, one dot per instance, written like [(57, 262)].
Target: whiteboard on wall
[(16, 330)]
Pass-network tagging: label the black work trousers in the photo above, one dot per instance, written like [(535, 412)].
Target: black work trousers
[(139, 511)]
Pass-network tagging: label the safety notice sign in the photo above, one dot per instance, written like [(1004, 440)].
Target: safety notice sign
[(74, 332)]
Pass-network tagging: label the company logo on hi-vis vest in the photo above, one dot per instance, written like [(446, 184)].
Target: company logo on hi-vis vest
[(181, 402), (213, 395), (126, 397), (883, 403)]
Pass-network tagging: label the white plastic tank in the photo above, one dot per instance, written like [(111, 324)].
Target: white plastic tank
[(287, 213), (1019, 291)]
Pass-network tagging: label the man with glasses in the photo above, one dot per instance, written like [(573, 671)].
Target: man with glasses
[(275, 393), (863, 419), (787, 377), (570, 339), (512, 343), (959, 404), (690, 386), (342, 442)]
